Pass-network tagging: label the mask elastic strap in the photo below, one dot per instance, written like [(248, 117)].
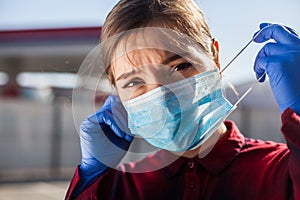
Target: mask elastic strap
[(250, 88), (237, 55), (252, 85)]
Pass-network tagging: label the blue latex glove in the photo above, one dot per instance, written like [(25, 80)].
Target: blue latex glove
[(280, 59), (104, 141)]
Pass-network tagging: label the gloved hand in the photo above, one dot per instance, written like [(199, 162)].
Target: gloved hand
[(281, 62), (104, 140)]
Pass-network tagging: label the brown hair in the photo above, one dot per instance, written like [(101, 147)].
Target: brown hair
[(183, 16)]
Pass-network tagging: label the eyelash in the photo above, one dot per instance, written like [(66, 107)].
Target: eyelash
[(137, 81), (133, 82), (182, 66)]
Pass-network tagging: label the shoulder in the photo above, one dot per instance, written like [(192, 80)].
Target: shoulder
[(264, 151), (249, 145)]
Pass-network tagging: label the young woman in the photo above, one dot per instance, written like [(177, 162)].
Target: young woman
[(163, 63)]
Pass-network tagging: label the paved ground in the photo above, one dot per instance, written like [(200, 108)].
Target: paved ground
[(33, 191)]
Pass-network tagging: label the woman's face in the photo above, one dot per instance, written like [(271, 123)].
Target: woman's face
[(140, 71)]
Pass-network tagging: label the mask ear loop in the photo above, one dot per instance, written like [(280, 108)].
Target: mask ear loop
[(249, 90)]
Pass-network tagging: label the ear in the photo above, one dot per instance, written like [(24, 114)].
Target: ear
[(216, 52)]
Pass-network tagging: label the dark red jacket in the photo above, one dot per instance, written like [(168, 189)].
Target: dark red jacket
[(237, 168)]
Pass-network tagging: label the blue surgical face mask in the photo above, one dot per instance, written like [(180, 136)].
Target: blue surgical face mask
[(179, 116)]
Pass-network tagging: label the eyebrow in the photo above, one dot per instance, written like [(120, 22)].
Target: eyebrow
[(171, 59), (128, 74), (133, 72)]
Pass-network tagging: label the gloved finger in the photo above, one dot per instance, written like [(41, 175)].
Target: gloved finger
[(93, 145), (268, 65), (111, 102), (263, 25), (120, 114), (90, 125), (279, 33), (261, 62), (261, 66), (118, 108), (259, 69), (96, 118), (293, 31), (114, 98), (275, 49), (110, 121), (107, 103)]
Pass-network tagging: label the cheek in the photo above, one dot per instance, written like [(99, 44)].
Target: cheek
[(187, 73), (190, 72)]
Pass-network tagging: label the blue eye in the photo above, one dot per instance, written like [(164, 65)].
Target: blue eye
[(133, 82)]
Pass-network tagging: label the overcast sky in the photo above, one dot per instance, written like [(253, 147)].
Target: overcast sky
[(232, 22)]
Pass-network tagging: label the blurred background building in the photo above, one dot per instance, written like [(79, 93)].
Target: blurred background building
[(42, 46), (38, 138)]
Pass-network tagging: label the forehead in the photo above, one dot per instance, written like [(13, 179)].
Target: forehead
[(144, 56), (151, 39), (152, 45), (139, 58)]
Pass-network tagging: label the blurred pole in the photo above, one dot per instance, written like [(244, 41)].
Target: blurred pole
[(56, 137), (246, 120)]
